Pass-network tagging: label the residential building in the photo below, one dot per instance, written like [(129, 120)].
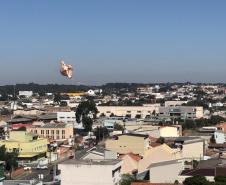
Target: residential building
[(28, 145), (55, 131), (90, 172), (129, 163), (170, 131), (126, 143), (158, 154), (26, 93), (184, 112), (128, 111), (170, 169), (191, 147), (66, 117)]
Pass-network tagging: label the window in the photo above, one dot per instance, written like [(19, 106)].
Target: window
[(63, 132), (57, 132), (52, 132), (47, 132), (42, 132)]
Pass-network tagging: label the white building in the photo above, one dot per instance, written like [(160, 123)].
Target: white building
[(219, 137), (26, 93), (66, 117), (187, 112), (170, 131), (128, 111), (170, 169), (106, 172)]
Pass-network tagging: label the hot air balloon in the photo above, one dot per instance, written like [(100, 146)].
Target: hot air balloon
[(66, 69)]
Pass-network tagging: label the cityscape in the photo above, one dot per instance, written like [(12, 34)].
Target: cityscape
[(121, 92)]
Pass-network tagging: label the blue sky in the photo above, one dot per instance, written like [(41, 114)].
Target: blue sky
[(113, 40)]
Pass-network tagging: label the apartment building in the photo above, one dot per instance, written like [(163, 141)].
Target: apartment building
[(55, 131), (126, 143), (128, 111), (184, 112), (27, 144), (66, 117)]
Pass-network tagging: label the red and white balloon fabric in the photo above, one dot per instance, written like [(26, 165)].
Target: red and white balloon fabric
[(66, 70)]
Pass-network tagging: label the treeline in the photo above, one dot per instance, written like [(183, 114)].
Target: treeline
[(203, 122), (37, 88)]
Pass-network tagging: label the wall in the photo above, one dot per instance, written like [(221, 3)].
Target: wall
[(193, 150), (72, 174), (125, 110), (169, 132), (170, 171), (126, 144), (66, 117)]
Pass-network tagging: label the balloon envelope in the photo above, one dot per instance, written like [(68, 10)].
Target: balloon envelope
[(66, 70)]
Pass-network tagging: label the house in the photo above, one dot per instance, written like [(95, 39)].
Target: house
[(126, 143), (55, 131), (170, 131), (66, 117), (128, 111), (171, 170), (26, 93), (90, 172), (97, 153), (29, 146), (191, 147), (129, 163), (183, 112), (158, 154), (208, 168)]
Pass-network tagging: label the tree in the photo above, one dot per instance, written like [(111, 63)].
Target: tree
[(86, 108), (63, 103), (127, 179), (9, 158), (160, 140), (118, 127), (220, 179), (196, 180), (101, 133), (57, 98), (87, 123)]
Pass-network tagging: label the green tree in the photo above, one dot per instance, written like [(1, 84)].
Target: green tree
[(57, 98), (196, 180), (101, 133), (220, 180), (127, 179), (160, 140), (118, 127), (86, 108), (10, 158), (87, 123)]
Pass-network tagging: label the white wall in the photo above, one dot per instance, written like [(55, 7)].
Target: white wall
[(66, 117), (219, 137), (166, 173), (72, 174)]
